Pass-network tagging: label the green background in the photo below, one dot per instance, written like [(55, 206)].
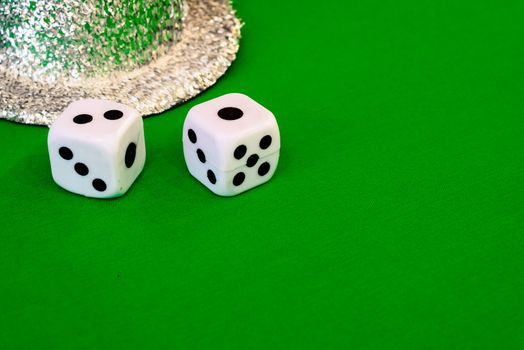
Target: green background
[(395, 219)]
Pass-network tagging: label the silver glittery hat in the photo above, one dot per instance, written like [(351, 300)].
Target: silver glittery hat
[(150, 54)]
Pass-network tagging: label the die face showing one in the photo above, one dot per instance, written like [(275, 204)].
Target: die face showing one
[(234, 150), (97, 148), (227, 126)]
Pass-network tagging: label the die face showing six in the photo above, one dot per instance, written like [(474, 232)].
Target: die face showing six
[(227, 125), (231, 144), (97, 148)]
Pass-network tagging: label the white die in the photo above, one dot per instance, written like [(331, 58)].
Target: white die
[(97, 148), (231, 144)]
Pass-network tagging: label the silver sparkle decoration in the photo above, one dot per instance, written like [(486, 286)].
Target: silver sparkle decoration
[(150, 54)]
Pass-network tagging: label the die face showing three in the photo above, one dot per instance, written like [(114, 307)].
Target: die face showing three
[(97, 148), (231, 144)]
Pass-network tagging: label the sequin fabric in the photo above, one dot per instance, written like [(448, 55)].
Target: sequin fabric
[(151, 55)]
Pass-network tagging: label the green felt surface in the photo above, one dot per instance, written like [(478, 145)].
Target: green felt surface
[(395, 219)]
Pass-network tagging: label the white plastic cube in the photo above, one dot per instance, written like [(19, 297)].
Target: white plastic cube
[(97, 148), (231, 144)]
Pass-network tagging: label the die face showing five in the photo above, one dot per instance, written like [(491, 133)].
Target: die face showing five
[(231, 144), (97, 148), (230, 183)]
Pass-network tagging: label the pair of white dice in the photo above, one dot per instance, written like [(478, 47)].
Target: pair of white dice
[(97, 148)]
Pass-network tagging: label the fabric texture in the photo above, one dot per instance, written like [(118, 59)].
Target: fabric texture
[(394, 220)]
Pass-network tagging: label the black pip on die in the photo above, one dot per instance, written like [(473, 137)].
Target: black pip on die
[(97, 148), (231, 144)]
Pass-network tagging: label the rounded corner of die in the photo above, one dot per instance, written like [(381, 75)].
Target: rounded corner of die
[(222, 192), (50, 136), (237, 95), (273, 118), (192, 111)]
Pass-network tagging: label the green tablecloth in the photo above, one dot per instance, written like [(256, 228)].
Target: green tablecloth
[(395, 219)]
